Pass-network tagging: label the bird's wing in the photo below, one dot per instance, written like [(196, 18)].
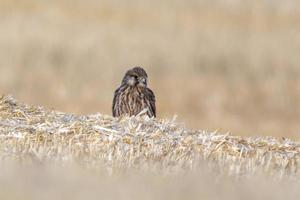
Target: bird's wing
[(151, 97), (114, 109)]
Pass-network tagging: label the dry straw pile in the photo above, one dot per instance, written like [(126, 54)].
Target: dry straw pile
[(32, 134)]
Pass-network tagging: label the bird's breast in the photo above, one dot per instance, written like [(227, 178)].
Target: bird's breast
[(134, 100)]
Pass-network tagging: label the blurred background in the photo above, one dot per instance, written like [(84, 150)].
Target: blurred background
[(229, 65)]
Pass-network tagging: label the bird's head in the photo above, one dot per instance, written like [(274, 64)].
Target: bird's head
[(136, 76)]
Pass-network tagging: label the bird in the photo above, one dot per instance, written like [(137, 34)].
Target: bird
[(134, 96)]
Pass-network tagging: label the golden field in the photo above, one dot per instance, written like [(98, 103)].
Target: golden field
[(229, 66)]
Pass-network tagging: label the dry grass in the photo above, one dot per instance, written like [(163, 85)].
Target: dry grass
[(49, 154), (35, 134)]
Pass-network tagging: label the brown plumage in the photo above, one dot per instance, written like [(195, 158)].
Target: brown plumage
[(133, 96)]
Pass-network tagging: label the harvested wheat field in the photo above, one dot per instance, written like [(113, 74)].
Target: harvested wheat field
[(50, 154), (77, 52)]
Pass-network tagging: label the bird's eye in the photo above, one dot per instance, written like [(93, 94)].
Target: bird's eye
[(135, 76)]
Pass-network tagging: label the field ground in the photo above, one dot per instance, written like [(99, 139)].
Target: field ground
[(74, 183), (49, 154)]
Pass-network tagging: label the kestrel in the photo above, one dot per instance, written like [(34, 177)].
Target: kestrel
[(133, 96)]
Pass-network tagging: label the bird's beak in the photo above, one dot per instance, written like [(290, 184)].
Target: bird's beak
[(142, 81)]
